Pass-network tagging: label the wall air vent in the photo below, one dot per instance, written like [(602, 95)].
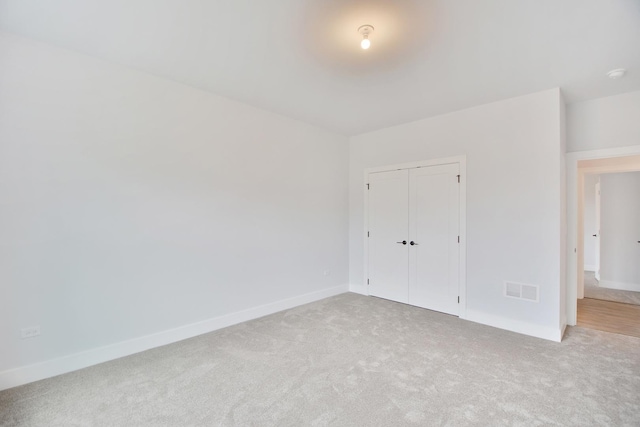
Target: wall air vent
[(521, 291)]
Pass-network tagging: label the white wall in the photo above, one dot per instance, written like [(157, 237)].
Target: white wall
[(131, 204), (563, 230), (620, 225), (590, 227), (601, 123), (514, 212), (599, 128)]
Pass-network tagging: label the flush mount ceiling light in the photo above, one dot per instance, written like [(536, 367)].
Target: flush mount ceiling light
[(365, 30), (617, 73)]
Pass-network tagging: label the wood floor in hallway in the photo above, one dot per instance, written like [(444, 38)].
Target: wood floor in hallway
[(609, 316)]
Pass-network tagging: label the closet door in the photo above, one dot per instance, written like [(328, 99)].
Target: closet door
[(434, 212), (388, 229)]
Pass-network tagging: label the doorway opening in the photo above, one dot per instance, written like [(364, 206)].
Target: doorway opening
[(603, 289)]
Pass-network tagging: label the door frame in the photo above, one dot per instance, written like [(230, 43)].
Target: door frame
[(598, 221), (462, 268), (575, 223)]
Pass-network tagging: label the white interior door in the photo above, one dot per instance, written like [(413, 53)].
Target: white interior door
[(434, 226), (388, 228), (597, 235)]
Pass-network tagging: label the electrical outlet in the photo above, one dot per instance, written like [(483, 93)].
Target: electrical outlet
[(33, 331)]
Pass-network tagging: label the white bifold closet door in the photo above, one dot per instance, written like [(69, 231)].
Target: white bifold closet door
[(414, 236)]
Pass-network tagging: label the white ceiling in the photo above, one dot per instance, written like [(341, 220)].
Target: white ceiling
[(301, 58)]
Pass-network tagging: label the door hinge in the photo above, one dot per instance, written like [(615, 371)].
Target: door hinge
[(367, 186), (368, 234), (367, 281), (458, 300), (458, 179), (458, 239)]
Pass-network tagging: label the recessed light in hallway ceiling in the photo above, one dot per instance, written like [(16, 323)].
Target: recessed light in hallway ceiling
[(617, 73)]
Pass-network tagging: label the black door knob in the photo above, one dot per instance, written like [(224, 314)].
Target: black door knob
[(404, 242), (412, 243), (595, 235)]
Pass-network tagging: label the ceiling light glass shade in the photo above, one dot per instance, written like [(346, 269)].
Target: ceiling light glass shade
[(365, 43)]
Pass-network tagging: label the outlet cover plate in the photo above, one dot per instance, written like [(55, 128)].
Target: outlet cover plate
[(30, 332)]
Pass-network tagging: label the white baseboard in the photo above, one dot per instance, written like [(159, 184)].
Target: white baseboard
[(497, 321), (50, 368), (563, 328), (538, 331), (589, 268), (622, 286)]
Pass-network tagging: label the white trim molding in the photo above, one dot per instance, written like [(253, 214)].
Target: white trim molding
[(622, 286), (518, 326), (50, 368)]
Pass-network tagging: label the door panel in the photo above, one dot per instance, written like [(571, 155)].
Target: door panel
[(434, 227), (388, 224)]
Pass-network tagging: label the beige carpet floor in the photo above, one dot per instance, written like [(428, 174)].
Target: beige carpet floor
[(349, 360), (594, 291)]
